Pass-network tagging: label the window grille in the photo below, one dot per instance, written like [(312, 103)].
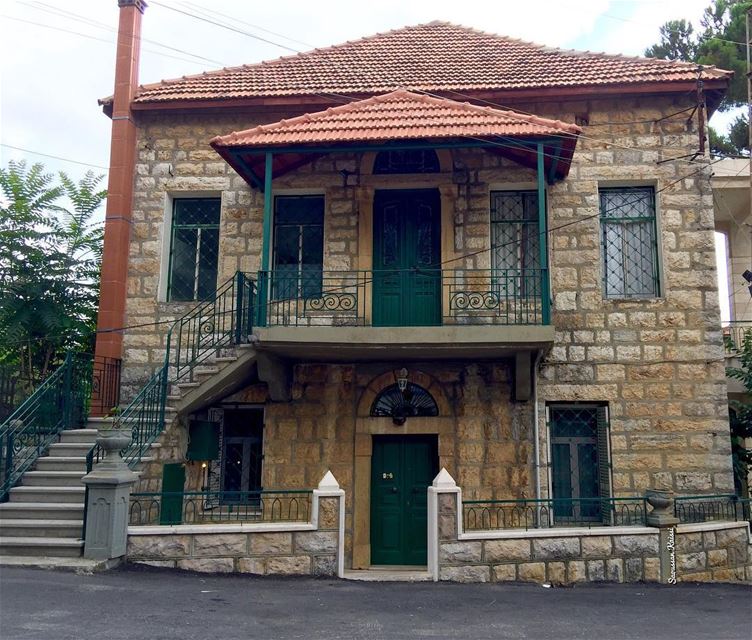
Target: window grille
[(406, 161), (629, 243), (515, 241), (194, 248), (298, 246), (414, 401), (580, 463)]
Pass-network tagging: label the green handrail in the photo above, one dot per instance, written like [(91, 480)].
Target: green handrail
[(219, 322), (61, 402)]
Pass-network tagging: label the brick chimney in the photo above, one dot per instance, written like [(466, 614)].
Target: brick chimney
[(117, 228)]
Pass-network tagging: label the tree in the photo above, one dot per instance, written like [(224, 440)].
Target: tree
[(741, 412), (49, 267), (720, 43), (678, 42)]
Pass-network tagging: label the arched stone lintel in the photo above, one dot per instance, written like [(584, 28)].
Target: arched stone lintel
[(388, 378)]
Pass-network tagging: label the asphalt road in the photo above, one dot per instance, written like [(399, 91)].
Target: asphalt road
[(143, 603)]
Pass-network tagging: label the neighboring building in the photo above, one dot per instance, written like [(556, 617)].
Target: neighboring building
[(733, 218), (456, 250)]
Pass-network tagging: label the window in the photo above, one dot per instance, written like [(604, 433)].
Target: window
[(194, 247), (629, 243), (406, 161), (580, 464), (515, 242), (298, 246)]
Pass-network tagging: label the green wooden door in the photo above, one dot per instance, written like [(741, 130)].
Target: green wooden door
[(407, 258), (173, 483), (402, 468)]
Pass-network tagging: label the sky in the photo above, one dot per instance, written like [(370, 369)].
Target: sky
[(54, 66)]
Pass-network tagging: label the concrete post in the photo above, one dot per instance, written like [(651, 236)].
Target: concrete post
[(108, 489), (662, 516)]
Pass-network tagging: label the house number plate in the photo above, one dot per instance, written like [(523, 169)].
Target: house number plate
[(387, 476)]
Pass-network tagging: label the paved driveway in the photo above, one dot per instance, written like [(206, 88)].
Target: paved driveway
[(137, 603)]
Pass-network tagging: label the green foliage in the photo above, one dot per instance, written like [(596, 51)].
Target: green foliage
[(733, 144), (49, 267), (721, 43), (741, 412)]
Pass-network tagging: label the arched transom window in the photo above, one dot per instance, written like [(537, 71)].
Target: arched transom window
[(415, 401)]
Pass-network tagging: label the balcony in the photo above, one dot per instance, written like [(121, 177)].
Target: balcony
[(407, 313)]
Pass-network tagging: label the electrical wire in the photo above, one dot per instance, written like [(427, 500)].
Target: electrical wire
[(47, 155)]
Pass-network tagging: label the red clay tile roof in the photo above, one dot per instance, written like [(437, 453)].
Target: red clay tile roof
[(437, 56), (400, 115)]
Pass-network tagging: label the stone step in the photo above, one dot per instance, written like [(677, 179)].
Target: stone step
[(61, 463), (188, 385), (22, 546), (99, 422), (83, 436), (225, 359), (52, 478), (205, 371), (175, 398), (40, 528), (46, 495), (68, 449), (42, 511)]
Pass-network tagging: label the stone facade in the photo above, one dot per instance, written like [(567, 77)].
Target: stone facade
[(292, 550), (657, 364)]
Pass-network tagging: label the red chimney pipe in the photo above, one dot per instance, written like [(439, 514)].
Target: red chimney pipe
[(117, 227)]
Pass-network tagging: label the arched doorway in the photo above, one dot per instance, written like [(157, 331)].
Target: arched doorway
[(398, 442)]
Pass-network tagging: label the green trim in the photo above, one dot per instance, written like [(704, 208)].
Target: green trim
[(266, 238), (543, 242)]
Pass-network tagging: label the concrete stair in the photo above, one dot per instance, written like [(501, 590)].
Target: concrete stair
[(43, 518)]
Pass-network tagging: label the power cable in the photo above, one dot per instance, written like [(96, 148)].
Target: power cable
[(47, 155)]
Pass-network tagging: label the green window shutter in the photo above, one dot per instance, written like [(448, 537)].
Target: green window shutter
[(604, 462)]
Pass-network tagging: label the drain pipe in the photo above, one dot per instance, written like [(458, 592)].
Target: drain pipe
[(536, 438)]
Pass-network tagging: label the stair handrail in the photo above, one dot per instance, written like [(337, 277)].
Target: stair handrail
[(195, 333), (57, 404)]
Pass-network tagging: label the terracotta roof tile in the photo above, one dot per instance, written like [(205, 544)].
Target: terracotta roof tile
[(399, 115), (437, 56)]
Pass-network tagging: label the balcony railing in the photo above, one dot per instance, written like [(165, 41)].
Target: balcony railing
[(213, 507), (406, 297), (734, 333)]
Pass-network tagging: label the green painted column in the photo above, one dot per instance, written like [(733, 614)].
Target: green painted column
[(543, 241), (266, 241)]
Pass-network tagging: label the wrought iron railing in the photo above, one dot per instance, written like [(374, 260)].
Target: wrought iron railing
[(734, 334), (725, 507), (61, 402), (217, 323), (105, 385), (371, 298), (212, 507), (483, 515)]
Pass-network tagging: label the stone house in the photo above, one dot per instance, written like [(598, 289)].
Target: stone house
[(432, 247)]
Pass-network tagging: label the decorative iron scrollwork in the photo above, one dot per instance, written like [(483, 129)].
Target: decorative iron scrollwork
[(474, 300), (333, 302)]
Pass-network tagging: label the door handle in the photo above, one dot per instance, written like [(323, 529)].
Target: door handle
[(395, 490)]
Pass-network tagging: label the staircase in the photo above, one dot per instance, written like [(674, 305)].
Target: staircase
[(207, 356)]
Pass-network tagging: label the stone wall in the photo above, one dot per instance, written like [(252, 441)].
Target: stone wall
[(708, 552), (262, 549)]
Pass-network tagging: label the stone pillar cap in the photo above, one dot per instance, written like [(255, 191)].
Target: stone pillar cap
[(443, 480), (328, 482)]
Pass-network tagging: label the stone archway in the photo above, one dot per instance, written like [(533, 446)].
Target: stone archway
[(367, 426)]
